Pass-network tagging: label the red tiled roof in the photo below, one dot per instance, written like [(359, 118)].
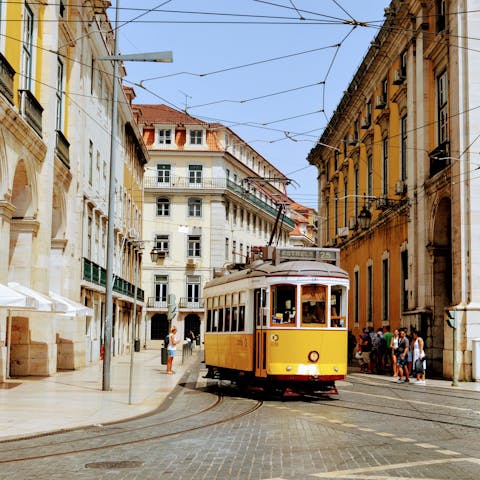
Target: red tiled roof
[(162, 114)]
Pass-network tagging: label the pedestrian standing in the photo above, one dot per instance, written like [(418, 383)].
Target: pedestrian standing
[(171, 348), (366, 345), (394, 346), (402, 357), (387, 357), (191, 337), (418, 359)]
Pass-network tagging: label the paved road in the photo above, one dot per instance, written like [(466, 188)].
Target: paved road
[(374, 430)]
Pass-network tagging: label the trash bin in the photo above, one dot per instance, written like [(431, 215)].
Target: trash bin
[(197, 340), (164, 356), (136, 345)]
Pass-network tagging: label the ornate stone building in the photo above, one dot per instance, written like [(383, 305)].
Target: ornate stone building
[(398, 190)]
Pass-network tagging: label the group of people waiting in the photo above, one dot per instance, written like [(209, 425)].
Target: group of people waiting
[(400, 353)]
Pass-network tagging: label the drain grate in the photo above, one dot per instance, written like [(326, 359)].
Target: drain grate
[(114, 465)]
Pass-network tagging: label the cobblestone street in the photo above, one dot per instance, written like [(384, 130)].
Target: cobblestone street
[(375, 429)]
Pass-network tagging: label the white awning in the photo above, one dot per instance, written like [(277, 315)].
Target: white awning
[(72, 308), (10, 298), (44, 303)]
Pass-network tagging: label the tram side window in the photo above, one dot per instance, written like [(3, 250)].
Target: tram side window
[(227, 320), (284, 304), (215, 321), (220, 320), (313, 305), (338, 316), (241, 318), (209, 321), (234, 318)]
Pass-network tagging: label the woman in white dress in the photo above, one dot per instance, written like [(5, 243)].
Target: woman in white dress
[(418, 359)]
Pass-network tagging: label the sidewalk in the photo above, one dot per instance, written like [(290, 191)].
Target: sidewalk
[(35, 405), (465, 386)]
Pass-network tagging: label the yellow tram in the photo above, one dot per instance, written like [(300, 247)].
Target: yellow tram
[(281, 323)]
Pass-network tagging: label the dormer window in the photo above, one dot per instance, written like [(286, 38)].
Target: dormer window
[(164, 136), (196, 137)]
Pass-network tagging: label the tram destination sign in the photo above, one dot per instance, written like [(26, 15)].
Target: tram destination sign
[(330, 255)]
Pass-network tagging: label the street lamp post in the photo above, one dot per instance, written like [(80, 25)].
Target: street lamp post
[(115, 58)]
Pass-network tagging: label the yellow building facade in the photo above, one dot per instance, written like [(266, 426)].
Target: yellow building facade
[(396, 183)]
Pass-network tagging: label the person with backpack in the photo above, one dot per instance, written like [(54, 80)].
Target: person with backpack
[(171, 343)]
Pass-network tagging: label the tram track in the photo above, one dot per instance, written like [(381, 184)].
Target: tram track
[(115, 444), (409, 408)]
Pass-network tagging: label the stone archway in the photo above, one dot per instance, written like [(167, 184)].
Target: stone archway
[(192, 322), (441, 251), (158, 326)]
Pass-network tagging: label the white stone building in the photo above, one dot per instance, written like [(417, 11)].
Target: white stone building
[(209, 198), (55, 112)]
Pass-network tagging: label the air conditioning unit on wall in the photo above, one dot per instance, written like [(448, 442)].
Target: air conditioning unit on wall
[(342, 232), (132, 233)]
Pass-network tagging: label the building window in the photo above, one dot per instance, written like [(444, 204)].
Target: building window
[(369, 292), (59, 96), (194, 207), (193, 288), (357, 190), (162, 242), (336, 155), (327, 207), (227, 210), (196, 137), (195, 175), (404, 277), (193, 246), (403, 147), (385, 166), (345, 202), (441, 12), (368, 112), (442, 114), (335, 214), (385, 289), (403, 64), (89, 237), (27, 48), (164, 136), (163, 207), (161, 288), (163, 173), (356, 286), (370, 175), (227, 248)]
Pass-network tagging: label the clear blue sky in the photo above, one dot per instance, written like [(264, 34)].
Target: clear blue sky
[(208, 36)]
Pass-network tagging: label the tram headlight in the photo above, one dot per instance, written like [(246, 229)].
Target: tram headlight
[(313, 356)]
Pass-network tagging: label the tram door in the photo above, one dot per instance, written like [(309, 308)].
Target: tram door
[(260, 318)]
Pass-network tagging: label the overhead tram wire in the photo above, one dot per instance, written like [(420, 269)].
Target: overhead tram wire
[(245, 65)]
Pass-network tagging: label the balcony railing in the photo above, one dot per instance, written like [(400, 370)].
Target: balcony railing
[(153, 302), (96, 274), (62, 147), (181, 183), (31, 110), (7, 73), (186, 302), (439, 158)]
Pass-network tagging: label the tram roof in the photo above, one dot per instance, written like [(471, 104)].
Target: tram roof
[(297, 268)]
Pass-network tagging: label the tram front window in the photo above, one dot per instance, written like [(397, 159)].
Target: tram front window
[(338, 308), (313, 305), (284, 304)]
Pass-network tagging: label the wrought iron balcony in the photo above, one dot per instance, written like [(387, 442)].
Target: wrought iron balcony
[(7, 73), (62, 147), (31, 110), (96, 274), (154, 302), (186, 302), (439, 158)]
